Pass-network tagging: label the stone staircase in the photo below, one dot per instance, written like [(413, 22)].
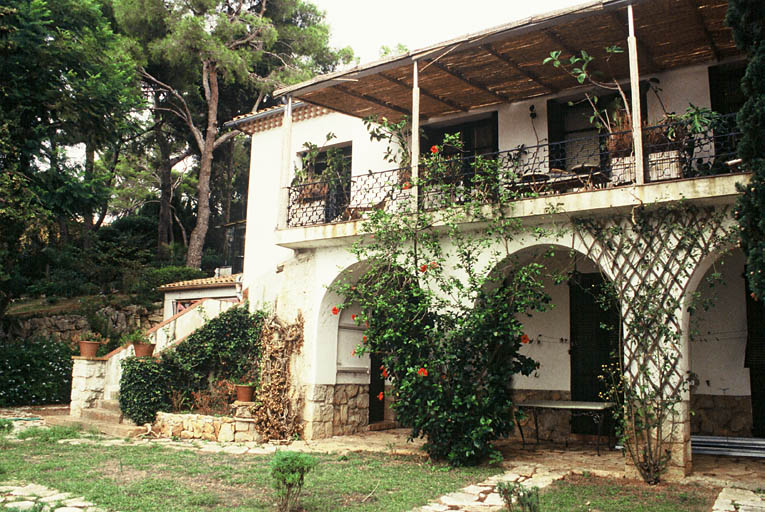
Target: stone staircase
[(105, 417), (95, 381)]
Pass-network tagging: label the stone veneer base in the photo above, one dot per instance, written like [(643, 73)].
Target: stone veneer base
[(238, 428)]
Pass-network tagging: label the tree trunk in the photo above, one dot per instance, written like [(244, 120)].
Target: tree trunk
[(165, 226), (198, 234), (87, 225)]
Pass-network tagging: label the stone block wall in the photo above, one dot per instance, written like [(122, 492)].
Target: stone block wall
[(88, 380), (554, 425), (239, 428), (65, 327), (332, 410), (720, 415)]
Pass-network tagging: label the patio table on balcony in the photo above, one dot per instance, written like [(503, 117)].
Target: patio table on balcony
[(596, 410)]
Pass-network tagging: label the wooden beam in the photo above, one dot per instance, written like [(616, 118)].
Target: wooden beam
[(645, 51), (472, 83), (426, 92), (637, 130), (525, 72), (700, 22), (372, 99)]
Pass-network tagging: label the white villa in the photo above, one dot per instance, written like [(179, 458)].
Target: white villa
[(494, 90)]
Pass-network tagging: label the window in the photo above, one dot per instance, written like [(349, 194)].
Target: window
[(478, 137), (574, 141), (325, 180)]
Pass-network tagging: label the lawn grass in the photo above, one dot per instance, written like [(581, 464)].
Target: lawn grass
[(155, 478), (589, 494)]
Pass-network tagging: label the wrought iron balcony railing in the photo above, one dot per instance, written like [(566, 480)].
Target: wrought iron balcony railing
[(574, 165)]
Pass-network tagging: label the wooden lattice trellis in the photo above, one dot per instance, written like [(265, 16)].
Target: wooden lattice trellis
[(654, 252)]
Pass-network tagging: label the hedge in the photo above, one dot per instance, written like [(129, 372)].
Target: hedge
[(33, 372)]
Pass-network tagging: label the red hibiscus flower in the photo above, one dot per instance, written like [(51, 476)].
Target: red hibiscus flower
[(364, 339), (406, 186), (434, 149), (433, 264), (380, 396), (335, 310), (423, 372), (353, 317), (525, 338), (385, 373), (423, 267), (353, 353)]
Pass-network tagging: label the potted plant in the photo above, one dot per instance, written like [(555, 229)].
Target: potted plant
[(245, 389), (321, 168), (89, 348), (141, 344)]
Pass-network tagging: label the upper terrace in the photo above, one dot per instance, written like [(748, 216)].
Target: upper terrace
[(504, 65)]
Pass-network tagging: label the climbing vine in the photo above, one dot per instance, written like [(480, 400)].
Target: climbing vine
[(443, 306), (653, 254), (745, 18)]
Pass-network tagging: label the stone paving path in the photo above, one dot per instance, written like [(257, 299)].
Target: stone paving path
[(480, 497), (741, 500), (21, 496)]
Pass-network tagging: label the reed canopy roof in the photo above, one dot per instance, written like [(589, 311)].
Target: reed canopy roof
[(504, 64)]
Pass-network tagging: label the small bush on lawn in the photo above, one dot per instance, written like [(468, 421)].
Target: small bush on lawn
[(143, 389), (5, 426), (288, 470), (518, 498), (35, 372)]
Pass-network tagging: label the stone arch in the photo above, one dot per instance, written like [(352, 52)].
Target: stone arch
[(550, 335), (714, 342)]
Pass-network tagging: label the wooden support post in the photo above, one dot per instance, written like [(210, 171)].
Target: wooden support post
[(284, 181), (637, 130), (415, 142)]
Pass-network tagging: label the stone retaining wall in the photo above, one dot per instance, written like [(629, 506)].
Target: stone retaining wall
[(239, 428), (719, 415), (65, 327)]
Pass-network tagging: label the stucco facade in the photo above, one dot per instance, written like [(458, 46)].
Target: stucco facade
[(291, 266)]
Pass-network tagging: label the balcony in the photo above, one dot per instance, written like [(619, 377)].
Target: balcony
[(527, 171)]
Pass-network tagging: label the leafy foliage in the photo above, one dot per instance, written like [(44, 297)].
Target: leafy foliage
[(226, 347), (288, 471), (519, 498), (445, 322), (745, 18), (35, 372), (143, 389), (153, 278)]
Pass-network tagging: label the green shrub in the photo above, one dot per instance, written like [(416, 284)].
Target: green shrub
[(50, 435), (288, 470), (143, 389), (35, 372), (6, 426), (518, 498), (152, 278), (226, 347)]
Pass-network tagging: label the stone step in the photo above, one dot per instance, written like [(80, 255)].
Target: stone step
[(110, 429), (109, 405), (104, 415)]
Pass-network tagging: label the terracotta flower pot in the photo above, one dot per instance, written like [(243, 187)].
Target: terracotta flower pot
[(244, 392), (89, 348), (143, 349)]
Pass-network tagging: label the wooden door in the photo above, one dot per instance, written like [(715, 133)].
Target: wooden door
[(594, 339), (755, 360), (376, 386)]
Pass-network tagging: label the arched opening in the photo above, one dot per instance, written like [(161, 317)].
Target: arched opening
[(571, 341), (727, 355), (353, 383)]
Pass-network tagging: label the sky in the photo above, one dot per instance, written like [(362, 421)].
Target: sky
[(366, 25)]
